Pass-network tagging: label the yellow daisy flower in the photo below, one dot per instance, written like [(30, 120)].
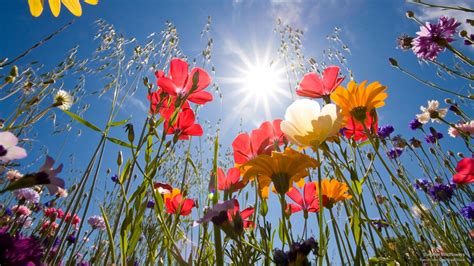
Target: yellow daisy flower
[(281, 168), (333, 191), (74, 6), (357, 100)]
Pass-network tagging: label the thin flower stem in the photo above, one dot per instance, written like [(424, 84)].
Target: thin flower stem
[(334, 225), (433, 85), (458, 54)]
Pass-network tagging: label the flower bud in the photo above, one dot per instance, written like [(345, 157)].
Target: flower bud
[(463, 33), (448, 101), (119, 158), (460, 154), (410, 14), (14, 71), (393, 62), (131, 132)]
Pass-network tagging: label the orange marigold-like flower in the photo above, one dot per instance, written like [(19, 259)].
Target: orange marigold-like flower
[(357, 100), (281, 168), (333, 191)]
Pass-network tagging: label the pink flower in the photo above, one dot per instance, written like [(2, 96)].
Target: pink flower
[(179, 82), (230, 181), (308, 202), (13, 175), (8, 149), (313, 86), (73, 219), (466, 128), (464, 171), (21, 210)]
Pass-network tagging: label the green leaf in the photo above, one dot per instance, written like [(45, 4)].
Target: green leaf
[(120, 142), (119, 123), (82, 121), (363, 143), (109, 231)]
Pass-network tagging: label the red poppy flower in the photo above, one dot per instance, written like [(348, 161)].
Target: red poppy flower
[(308, 202), (230, 181), (179, 82), (175, 203), (166, 107), (246, 147), (464, 171), (274, 133), (244, 214), (355, 128), (184, 125), (313, 86)]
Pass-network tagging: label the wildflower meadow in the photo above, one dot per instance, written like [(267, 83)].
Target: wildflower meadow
[(236, 132)]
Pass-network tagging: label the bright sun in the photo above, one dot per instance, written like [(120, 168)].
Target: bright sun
[(260, 85)]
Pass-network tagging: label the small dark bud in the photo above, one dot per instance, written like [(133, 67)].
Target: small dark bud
[(393, 62)]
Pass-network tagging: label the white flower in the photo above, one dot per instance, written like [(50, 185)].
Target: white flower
[(418, 212), (13, 175), (8, 149), (432, 111), (62, 193), (307, 124), (466, 128), (63, 100)]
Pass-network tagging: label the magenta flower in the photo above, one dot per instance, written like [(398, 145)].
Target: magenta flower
[(432, 38)]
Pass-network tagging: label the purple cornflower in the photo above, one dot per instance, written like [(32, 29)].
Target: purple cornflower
[(150, 204), (468, 211), (96, 222), (8, 212), (394, 153), (432, 138), (115, 179), (27, 194), (19, 250), (385, 131), (441, 192), (71, 238), (432, 38), (415, 124), (379, 223), (422, 184)]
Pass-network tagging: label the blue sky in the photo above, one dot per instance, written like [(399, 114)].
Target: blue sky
[(370, 29)]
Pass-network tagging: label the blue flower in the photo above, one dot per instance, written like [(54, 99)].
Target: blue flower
[(385, 131), (432, 138), (394, 153), (115, 179), (415, 124), (441, 192), (422, 184), (468, 211), (150, 204)]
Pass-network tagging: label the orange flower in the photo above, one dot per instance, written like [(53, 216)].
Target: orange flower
[(281, 168), (357, 100), (333, 191)]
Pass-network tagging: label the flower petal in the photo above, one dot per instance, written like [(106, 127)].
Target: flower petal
[(178, 72), (74, 6), (36, 7)]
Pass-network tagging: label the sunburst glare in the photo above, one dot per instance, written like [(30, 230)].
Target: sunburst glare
[(260, 84)]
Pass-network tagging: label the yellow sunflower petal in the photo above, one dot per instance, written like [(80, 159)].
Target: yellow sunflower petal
[(74, 6), (92, 2), (36, 7), (55, 6)]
